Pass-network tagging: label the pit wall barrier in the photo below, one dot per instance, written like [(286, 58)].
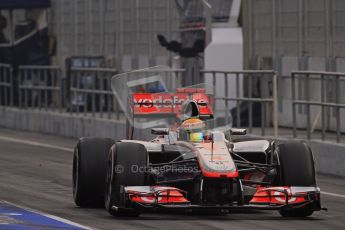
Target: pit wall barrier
[(329, 156)]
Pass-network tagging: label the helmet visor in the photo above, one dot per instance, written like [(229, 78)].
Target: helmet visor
[(196, 137)]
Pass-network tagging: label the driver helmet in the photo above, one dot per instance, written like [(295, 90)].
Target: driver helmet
[(192, 130)]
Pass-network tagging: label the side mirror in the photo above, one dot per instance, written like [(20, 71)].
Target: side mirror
[(238, 131), (160, 131)]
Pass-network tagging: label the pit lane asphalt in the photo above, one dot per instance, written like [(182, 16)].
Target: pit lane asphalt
[(39, 177)]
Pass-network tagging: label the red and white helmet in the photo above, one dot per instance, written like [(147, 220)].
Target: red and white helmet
[(193, 130)]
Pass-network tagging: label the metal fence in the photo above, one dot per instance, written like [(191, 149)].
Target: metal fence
[(322, 91), (6, 89), (258, 98), (249, 97), (90, 92), (40, 87)]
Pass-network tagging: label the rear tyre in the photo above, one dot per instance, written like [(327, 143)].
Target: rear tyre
[(296, 169), (126, 166), (89, 170)]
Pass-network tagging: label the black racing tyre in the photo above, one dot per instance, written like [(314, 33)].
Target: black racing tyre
[(300, 212), (296, 169), (89, 170), (124, 161)]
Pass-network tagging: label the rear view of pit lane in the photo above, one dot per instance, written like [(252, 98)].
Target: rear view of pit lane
[(39, 177)]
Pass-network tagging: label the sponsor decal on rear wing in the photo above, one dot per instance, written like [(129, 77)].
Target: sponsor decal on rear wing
[(147, 104)]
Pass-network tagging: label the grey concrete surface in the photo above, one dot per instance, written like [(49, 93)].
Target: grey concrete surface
[(61, 124), (329, 156), (40, 178)]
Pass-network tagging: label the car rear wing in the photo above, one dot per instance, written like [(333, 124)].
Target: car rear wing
[(154, 97), (172, 104)]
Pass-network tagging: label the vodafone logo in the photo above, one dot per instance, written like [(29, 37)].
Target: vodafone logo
[(169, 103), (163, 102), (158, 102)]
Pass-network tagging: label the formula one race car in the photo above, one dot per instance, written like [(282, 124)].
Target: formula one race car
[(190, 165)]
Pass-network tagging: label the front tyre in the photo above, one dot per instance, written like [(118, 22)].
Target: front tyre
[(296, 169), (89, 170), (126, 166), (300, 212)]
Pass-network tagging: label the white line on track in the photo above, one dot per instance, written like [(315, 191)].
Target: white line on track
[(39, 144), (333, 194), (50, 216), (34, 143)]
